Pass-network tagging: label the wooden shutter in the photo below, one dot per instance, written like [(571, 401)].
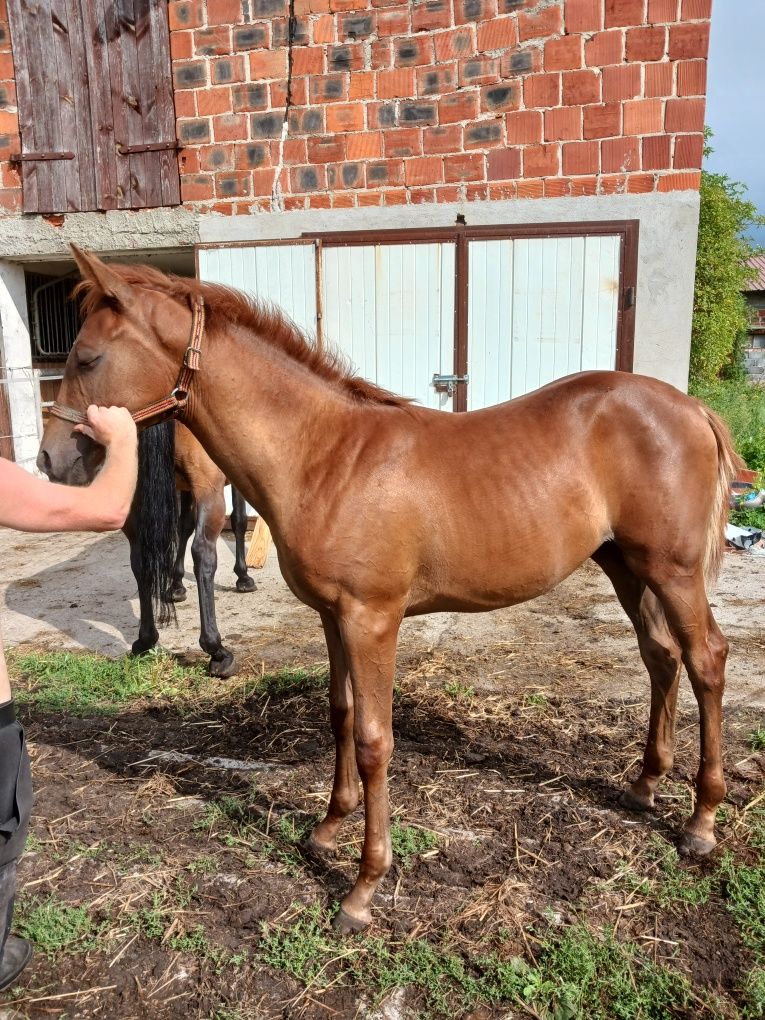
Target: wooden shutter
[(95, 104)]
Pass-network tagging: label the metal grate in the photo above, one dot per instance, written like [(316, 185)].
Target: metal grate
[(54, 318)]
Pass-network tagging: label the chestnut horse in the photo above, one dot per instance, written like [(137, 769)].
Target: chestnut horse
[(381, 509), (200, 485)]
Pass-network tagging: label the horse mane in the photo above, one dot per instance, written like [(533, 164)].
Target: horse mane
[(227, 305)]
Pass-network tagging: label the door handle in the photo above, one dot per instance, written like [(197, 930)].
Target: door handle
[(447, 383)]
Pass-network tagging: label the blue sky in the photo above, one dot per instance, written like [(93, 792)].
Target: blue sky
[(736, 96)]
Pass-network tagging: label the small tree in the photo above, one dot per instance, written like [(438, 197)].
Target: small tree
[(719, 309)]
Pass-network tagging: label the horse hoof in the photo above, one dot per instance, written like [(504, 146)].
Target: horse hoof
[(634, 801), (693, 845), (176, 595), (245, 584), (142, 647), (223, 668), (345, 924), (313, 845)]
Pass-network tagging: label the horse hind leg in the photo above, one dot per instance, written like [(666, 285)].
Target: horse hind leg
[(186, 522), (148, 635), (211, 513), (244, 583), (661, 655)]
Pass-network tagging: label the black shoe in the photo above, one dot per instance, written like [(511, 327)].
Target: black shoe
[(16, 955)]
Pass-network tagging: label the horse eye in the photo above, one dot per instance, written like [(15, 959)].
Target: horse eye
[(89, 362)]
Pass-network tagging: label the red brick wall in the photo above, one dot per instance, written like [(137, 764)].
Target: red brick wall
[(433, 100)]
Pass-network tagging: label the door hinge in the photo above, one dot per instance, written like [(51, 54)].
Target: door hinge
[(34, 157), (629, 298), (128, 150)]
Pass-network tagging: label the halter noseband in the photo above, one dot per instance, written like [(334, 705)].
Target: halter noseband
[(173, 405)]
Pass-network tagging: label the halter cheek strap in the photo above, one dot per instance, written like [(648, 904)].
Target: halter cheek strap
[(175, 403)]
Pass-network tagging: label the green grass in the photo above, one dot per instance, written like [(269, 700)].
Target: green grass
[(292, 680), (757, 739), (53, 927), (410, 841), (458, 691), (754, 995), (744, 889)]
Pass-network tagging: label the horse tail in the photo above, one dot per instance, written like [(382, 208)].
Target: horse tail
[(728, 465), (157, 516)]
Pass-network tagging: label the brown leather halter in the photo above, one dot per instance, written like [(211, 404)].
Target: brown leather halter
[(173, 405)]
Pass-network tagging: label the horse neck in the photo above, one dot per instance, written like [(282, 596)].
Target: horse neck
[(261, 417)]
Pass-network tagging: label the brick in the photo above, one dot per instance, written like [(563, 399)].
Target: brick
[(445, 138), (524, 126), (356, 26), (643, 117), (581, 158), (6, 67), (190, 74), (307, 178), (541, 161), (530, 189), (620, 13), (212, 101), (692, 78), (327, 88), (647, 43), (556, 187), (584, 186), (428, 15), (640, 184), (225, 70), (233, 185), (684, 115), (424, 170), (521, 62), (324, 29), (458, 106), (190, 132), (185, 103), (181, 46), (689, 151), (662, 11), (306, 122), (268, 64), (362, 85), (619, 155), (418, 113), (564, 122), (583, 15), (456, 43), (479, 71), (483, 135), (381, 115), (541, 25), (252, 95), (541, 90), (686, 181), (268, 8), (345, 117), (393, 22), (251, 156), (229, 126), (613, 184), (381, 54), (185, 14), (369, 198), (294, 151), (497, 34), (688, 41), (308, 60), (656, 152), (581, 88), (464, 166), (603, 49), (210, 42), (623, 82), (602, 121), (224, 12), (262, 184), (403, 143), (474, 10), (433, 81), (386, 173), (250, 37), (422, 196), (395, 197), (413, 52), (502, 97), (564, 54), (280, 33), (658, 79), (345, 58), (503, 164), (395, 84), (197, 188), (364, 145), (326, 150), (693, 10), (298, 92), (304, 7), (266, 125)]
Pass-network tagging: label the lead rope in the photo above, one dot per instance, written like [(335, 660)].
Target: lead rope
[(173, 405)]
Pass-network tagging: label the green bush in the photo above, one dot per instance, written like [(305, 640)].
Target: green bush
[(742, 406)]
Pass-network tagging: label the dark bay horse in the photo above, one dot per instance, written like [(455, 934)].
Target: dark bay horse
[(381, 509), (200, 487)]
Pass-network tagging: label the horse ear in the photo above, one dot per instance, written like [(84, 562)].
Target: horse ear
[(103, 278)]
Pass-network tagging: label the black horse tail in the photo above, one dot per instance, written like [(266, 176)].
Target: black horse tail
[(156, 516)]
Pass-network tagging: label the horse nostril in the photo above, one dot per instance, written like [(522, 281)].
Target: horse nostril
[(44, 462)]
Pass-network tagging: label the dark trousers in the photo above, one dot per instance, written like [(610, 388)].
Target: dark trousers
[(15, 808)]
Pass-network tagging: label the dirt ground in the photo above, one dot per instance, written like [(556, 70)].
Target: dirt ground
[(514, 734)]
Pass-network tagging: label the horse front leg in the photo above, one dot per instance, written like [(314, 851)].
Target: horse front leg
[(148, 635), (345, 788), (211, 513), (369, 639), (244, 582), (186, 522)]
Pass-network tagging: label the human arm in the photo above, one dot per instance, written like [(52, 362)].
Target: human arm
[(30, 504)]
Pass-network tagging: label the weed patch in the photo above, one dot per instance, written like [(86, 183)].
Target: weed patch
[(53, 926), (410, 841)]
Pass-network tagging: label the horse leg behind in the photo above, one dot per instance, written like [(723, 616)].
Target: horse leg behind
[(211, 513), (244, 582), (186, 522), (148, 635)]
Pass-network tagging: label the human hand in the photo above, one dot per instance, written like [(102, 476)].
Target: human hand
[(109, 425)]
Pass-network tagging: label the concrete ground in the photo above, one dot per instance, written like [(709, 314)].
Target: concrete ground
[(77, 591)]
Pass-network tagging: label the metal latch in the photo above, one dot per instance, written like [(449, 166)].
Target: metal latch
[(447, 383)]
